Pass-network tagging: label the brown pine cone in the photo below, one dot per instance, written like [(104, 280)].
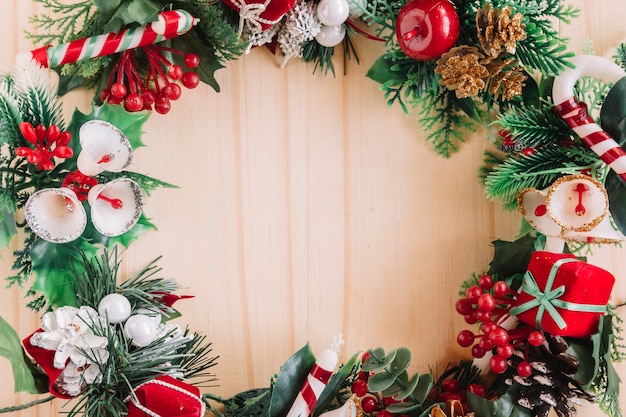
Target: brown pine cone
[(551, 384), (505, 79), (497, 29), (462, 71)]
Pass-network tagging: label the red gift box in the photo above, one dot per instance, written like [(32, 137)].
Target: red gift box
[(166, 397), (562, 295)]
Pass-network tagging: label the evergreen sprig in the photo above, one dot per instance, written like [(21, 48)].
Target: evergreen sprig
[(534, 126), (63, 21)]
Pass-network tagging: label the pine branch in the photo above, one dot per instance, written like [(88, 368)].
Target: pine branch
[(445, 125), (63, 23), (534, 126)]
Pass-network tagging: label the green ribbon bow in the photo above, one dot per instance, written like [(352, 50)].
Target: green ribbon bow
[(548, 299)]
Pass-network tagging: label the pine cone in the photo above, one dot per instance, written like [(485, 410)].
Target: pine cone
[(462, 71), (505, 79), (497, 29), (551, 384)]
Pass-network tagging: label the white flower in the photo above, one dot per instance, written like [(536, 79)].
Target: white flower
[(70, 332)]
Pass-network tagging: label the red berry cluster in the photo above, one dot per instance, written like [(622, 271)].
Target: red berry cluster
[(44, 140), (510, 145), (372, 402), (159, 88), (449, 389), (489, 303), (80, 184)]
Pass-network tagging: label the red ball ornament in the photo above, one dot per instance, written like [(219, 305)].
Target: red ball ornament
[(426, 29)]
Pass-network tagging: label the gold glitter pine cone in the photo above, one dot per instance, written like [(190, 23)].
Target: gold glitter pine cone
[(462, 71), (497, 29)]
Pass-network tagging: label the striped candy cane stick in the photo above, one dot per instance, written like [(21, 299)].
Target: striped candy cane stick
[(575, 113), (316, 381), (170, 24)]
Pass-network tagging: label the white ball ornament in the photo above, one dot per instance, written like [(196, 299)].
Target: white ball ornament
[(331, 36), (115, 308), (333, 12), (141, 329)]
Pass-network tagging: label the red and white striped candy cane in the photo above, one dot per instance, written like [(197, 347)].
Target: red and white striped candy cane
[(170, 24), (316, 381), (575, 113)]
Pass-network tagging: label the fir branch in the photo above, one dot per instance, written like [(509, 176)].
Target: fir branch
[(63, 23), (534, 126), (145, 182), (537, 170), (199, 360), (444, 124), (10, 115), (322, 56)]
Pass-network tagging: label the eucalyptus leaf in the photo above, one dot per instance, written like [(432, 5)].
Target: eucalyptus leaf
[(377, 360), (401, 381), (380, 381), (25, 380), (289, 380), (408, 389), (402, 408), (424, 386), (401, 361)]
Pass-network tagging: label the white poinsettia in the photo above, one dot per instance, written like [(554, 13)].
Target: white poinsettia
[(69, 331)]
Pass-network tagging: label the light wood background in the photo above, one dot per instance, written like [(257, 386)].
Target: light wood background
[(308, 208)]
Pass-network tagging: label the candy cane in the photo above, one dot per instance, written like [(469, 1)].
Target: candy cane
[(575, 113), (316, 381), (170, 24)]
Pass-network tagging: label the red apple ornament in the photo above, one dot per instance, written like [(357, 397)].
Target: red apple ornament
[(426, 29)]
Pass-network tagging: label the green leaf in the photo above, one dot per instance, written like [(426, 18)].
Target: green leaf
[(588, 365), (511, 258), (25, 380), (143, 225), (107, 6), (423, 388), (382, 73), (252, 403), (51, 266), (334, 384), (613, 112), (129, 12), (402, 408), (469, 107), (616, 190), (506, 405), (7, 228), (377, 360), (401, 361), (380, 381), (289, 380), (408, 389), (209, 63)]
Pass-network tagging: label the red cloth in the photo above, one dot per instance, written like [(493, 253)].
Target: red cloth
[(167, 401), (273, 12), (45, 359)]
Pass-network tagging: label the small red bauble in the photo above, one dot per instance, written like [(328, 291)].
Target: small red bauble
[(426, 29)]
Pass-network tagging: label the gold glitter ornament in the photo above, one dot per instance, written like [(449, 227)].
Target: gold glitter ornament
[(462, 71)]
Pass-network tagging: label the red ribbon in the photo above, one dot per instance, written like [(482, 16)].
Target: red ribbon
[(307, 392), (45, 359)]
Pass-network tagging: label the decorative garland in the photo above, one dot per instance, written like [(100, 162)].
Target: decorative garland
[(547, 336)]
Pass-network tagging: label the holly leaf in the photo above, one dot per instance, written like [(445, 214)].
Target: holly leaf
[(289, 380), (52, 265), (7, 227), (506, 405), (25, 375), (511, 258), (334, 384), (140, 12), (209, 63)]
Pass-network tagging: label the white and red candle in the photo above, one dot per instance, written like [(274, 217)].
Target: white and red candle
[(170, 24), (575, 113)]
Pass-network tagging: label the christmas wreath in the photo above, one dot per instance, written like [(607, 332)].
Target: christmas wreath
[(544, 336)]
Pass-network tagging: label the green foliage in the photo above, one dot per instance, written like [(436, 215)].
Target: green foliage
[(605, 385), (63, 23), (390, 378), (337, 389), (534, 126), (287, 384), (505, 405)]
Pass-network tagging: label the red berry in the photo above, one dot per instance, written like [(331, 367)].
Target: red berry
[(104, 94), (465, 338), (536, 338), (498, 364), (433, 394), (489, 326), (483, 316), (41, 133), (387, 401), (359, 387), (133, 102), (485, 343), (463, 306), (447, 396), (499, 337), (500, 289), (172, 91), (385, 413), (192, 60), (524, 369), (148, 96), (486, 302), (473, 293), (190, 79), (470, 318), (163, 108), (528, 151), (477, 389), (161, 98), (506, 350), (477, 351), (485, 282), (114, 100), (450, 385), (118, 90), (175, 72), (369, 404)]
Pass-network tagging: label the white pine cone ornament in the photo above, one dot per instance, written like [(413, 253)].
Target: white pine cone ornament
[(301, 25)]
